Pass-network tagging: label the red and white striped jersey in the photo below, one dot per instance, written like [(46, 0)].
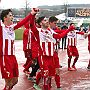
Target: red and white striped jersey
[(8, 37), (72, 38), (47, 42)]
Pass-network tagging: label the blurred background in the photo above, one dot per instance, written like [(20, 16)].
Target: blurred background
[(66, 11)]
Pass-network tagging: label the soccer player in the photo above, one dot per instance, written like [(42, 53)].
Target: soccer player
[(46, 40), (72, 49), (30, 48), (9, 65)]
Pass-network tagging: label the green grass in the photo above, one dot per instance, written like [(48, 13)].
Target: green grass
[(19, 34)]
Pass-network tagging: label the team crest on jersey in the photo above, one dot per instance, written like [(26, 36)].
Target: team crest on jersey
[(71, 34), (10, 28), (10, 31)]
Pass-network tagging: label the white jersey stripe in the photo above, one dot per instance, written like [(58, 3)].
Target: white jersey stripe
[(46, 48), (49, 49), (52, 48), (11, 47)]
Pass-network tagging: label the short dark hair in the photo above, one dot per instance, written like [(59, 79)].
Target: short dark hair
[(4, 13), (52, 19), (40, 19), (71, 24)]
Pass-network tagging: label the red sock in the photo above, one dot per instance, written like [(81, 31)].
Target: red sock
[(46, 84), (75, 60), (57, 79), (50, 82), (69, 61)]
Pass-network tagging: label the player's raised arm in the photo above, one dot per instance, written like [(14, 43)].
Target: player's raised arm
[(28, 18)]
